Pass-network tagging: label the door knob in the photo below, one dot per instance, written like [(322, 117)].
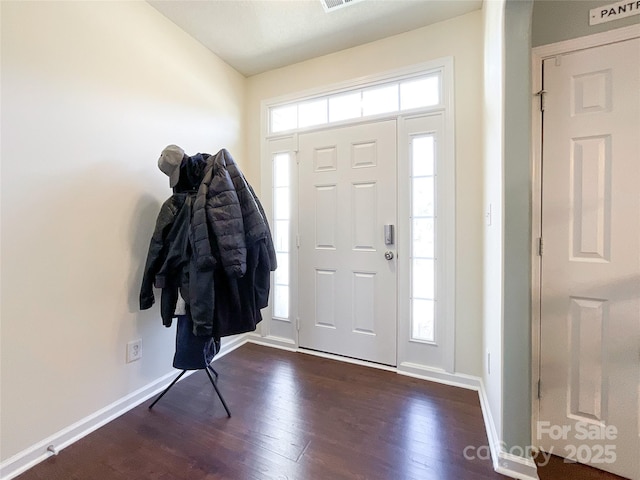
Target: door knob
[(388, 255)]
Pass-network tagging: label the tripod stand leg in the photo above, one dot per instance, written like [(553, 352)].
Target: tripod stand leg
[(224, 404), (167, 389)]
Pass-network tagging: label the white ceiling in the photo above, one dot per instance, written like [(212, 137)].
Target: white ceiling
[(254, 36)]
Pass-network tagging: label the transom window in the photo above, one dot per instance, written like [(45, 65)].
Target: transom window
[(385, 98)]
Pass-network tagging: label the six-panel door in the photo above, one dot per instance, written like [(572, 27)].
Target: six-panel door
[(347, 194)]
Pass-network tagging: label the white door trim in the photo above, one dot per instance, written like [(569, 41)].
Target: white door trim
[(285, 333), (538, 55)]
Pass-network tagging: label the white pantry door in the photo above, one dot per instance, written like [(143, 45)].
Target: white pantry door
[(347, 194), (590, 292)]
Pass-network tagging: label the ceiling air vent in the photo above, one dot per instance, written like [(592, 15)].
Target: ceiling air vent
[(331, 5)]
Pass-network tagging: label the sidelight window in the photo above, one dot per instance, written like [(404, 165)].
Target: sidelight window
[(423, 237), (281, 227)]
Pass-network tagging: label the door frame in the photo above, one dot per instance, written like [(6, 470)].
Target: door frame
[(538, 55), (284, 333)]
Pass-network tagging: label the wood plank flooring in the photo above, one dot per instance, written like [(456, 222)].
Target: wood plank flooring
[(294, 417), (559, 468)]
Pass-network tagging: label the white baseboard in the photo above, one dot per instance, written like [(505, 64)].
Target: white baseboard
[(516, 467), (230, 344), (439, 375), (38, 452), (31, 456), (503, 462)]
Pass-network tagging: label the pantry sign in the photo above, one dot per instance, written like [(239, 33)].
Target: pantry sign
[(614, 11)]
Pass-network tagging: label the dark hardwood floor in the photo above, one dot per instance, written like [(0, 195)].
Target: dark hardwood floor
[(294, 417), (559, 468)]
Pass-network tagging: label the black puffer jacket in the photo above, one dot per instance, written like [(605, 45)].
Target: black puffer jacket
[(231, 238), (218, 221), (229, 206), (254, 219)]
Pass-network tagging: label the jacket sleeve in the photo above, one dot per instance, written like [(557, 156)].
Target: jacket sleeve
[(263, 276), (224, 216), (269, 247), (199, 228), (256, 225), (157, 252)]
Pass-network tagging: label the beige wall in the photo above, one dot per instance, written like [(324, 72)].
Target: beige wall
[(461, 38), (91, 93)]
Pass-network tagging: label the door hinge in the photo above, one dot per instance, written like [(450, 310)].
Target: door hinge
[(298, 323), (541, 94), (297, 241), (539, 393), (540, 246)]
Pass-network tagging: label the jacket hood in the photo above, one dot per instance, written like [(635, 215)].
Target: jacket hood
[(191, 173)]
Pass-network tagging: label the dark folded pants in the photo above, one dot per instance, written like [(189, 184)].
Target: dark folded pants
[(192, 352)]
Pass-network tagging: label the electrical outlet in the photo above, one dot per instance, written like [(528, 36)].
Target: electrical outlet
[(134, 350)]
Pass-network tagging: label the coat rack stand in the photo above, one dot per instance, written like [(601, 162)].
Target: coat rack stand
[(208, 369)]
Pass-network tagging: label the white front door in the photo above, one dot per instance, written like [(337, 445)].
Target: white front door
[(590, 292), (347, 194)]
